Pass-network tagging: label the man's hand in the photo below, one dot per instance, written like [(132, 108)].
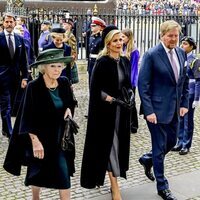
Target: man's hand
[(152, 118), (183, 111)]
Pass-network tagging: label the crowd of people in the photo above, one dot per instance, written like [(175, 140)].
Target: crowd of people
[(159, 7), (114, 78)]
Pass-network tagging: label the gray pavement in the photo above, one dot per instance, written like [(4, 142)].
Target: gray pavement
[(183, 172)]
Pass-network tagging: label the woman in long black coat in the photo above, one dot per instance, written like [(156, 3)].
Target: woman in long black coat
[(39, 126), (107, 141)]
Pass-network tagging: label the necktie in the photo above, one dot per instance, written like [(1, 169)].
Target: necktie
[(173, 63), (11, 47)]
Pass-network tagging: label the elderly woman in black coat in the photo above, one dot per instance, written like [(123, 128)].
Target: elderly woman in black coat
[(39, 128), (107, 141)]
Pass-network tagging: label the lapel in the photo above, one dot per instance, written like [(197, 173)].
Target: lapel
[(164, 57), (18, 44)]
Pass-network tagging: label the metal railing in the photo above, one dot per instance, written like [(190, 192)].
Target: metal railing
[(145, 26)]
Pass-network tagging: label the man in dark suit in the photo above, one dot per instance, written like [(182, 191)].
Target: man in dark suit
[(163, 89), (13, 70)]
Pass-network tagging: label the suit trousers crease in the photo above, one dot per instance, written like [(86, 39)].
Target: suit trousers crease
[(163, 138)]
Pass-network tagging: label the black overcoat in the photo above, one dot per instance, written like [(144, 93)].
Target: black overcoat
[(101, 123), (39, 116)]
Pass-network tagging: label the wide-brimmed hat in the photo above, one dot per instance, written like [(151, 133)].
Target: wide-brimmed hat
[(51, 56), (190, 40)]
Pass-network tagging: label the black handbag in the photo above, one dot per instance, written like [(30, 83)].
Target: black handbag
[(71, 128)]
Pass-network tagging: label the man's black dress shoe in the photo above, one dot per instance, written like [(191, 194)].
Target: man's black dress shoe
[(176, 148), (147, 170), (166, 195), (183, 151)]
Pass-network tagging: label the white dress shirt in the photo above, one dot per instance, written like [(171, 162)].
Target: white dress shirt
[(11, 36)]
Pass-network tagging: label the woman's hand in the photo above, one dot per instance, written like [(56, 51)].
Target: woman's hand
[(109, 99), (67, 112), (38, 150)]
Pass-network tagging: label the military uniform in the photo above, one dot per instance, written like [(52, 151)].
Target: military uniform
[(186, 129), (94, 49)]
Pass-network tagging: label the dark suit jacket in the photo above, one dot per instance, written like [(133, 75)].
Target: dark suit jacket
[(159, 92), (19, 62)]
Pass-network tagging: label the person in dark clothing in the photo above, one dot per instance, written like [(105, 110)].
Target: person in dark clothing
[(86, 31), (39, 128), (95, 43), (13, 70), (107, 142)]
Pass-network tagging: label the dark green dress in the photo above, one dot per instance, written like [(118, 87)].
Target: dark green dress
[(53, 172)]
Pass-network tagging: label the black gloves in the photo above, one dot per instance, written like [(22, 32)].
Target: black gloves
[(71, 128), (127, 100)]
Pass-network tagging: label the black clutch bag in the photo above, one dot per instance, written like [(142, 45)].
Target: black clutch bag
[(71, 128)]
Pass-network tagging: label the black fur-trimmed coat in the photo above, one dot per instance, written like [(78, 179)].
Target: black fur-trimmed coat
[(101, 123)]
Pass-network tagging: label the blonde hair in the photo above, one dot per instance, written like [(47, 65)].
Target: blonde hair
[(107, 40), (168, 26), (130, 45)]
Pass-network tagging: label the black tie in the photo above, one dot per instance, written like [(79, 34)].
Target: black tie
[(11, 47)]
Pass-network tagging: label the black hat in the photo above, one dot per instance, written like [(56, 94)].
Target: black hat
[(106, 31), (46, 22), (51, 56), (69, 21), (58, 30), (190, 40)]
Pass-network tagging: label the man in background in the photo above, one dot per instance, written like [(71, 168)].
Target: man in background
[(13, 70)]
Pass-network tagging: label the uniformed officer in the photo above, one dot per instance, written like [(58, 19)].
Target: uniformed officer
[(187, 122), (95, 44), (45, 38)]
